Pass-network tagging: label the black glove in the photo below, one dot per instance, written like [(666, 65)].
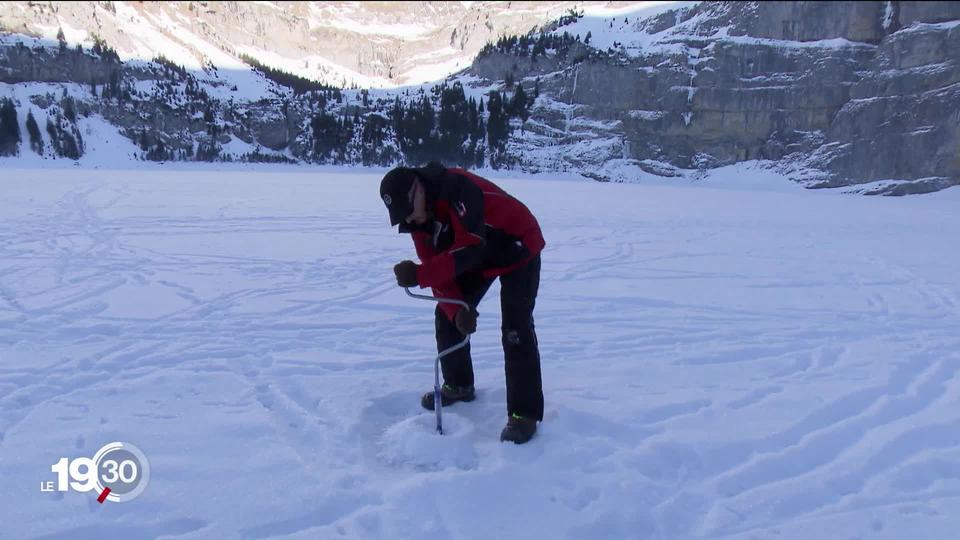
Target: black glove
[(466, 321), (406, 272)]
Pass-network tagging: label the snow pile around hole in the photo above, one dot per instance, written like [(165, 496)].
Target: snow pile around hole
[(415, 443)]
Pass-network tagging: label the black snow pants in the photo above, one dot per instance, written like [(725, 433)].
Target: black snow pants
[(518, 294)]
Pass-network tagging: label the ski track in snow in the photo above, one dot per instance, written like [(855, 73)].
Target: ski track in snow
[(717, 364)]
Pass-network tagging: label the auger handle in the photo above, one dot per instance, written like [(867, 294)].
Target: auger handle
[(437, 399)]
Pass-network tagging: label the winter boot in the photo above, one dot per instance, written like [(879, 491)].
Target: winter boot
[(449, 395), (519, 429)]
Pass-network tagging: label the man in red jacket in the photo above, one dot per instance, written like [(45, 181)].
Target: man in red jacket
[(467, 232)]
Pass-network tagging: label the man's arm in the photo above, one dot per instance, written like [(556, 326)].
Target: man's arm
[(469, 237), (424, 247)]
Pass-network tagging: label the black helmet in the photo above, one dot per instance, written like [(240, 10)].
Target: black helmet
[(395, 192)]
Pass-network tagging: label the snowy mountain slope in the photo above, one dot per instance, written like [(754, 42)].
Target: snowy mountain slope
[(717, 363), (367, 44), (102, 143), (865, 96)]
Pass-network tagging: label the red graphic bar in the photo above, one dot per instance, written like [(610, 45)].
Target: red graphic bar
[(103, 496)]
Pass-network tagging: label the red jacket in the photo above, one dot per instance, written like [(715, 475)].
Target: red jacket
[(476, 227)]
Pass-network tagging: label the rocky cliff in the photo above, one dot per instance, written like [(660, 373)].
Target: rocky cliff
[(852, 92)]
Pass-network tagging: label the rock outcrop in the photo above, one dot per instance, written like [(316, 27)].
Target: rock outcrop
[(856, 92)]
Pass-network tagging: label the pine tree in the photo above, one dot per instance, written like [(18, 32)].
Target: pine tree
[(33, 130), (9, 128), (479, 156), (53, 130), (498, 124), (473, 116), (453, 124), (326, 133), (518, 105), (71, 148), (396, 116), (69, 109), (427, 117)]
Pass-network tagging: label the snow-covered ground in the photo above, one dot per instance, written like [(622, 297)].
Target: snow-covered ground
[(718, 363)]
